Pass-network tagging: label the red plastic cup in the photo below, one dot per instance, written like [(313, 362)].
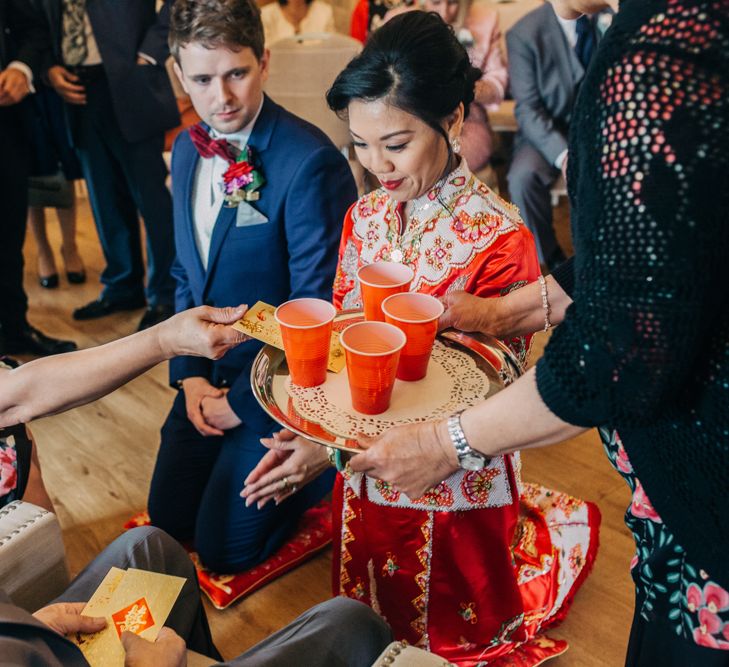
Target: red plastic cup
[(306, 330), (416, 315), (372, 351), (380, 280)]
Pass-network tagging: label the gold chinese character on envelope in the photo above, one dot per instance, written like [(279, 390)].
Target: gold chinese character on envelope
[(259, 323), (135, 618)]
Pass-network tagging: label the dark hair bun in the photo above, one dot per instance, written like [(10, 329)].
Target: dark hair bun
[(417, 63)]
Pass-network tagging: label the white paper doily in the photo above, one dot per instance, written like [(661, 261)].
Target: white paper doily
[(454, 382)]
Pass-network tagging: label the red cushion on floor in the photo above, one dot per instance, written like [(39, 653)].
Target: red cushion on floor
[(313, 534)]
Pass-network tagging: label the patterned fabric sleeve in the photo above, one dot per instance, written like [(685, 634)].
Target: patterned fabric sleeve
[(651, 169), (342, 284), (511, 264)]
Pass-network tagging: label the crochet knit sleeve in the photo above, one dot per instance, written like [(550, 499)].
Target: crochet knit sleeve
[(650, 169)]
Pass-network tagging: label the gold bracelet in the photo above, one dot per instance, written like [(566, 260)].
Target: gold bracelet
[(545, 303)]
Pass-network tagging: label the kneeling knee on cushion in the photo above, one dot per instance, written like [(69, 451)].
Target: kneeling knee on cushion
[(215, 555)]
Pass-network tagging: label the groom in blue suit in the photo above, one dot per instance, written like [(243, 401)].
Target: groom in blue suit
[(280, 244)]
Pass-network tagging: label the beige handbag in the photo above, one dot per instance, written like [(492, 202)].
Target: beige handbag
[(399, 654)]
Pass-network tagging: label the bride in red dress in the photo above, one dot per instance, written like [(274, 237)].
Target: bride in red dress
[(479, 566)]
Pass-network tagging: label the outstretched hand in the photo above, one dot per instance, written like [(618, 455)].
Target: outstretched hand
[(413, 458), (292, 462), (65, 618), (201, 332)]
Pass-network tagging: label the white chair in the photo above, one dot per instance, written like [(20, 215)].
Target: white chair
[(302, 69)]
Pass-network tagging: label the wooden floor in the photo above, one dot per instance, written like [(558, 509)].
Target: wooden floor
[(97, 462)]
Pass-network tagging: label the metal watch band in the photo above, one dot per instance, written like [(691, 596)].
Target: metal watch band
[(464, 451)]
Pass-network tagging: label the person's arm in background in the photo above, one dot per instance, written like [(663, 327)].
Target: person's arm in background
[(29, 32), (483, 23), (535, 122), (53, 384), (519, 313), (154, 49)]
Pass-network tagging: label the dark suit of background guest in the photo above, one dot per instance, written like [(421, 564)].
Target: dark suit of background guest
[(544, 74), (119, 136), (290, 251), (22, 38)]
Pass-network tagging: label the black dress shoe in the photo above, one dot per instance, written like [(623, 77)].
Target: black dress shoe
[(76, 277), (49, 282), (103, 306), (154, 315), (31, 341)]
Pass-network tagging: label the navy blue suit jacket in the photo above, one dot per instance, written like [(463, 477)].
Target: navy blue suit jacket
[(144, 103), (308, 188)]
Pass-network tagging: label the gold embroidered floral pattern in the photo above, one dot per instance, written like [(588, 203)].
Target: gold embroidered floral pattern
[(468, 612), (471, 228), (347, 537), (525, 537), (390, 566), (388, 491), (358, 590), (576, 559), (440, 496), (422, 578), (439, 255), (476, 485)]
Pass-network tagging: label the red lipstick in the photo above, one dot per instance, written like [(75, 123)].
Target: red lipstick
[(392, 185)]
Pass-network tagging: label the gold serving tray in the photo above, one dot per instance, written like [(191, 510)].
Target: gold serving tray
[(490, 355)]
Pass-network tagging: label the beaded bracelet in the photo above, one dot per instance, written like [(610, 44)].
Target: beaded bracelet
[(545, 303)]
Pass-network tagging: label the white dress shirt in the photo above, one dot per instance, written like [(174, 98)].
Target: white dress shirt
[(93, 56), (207, 190)]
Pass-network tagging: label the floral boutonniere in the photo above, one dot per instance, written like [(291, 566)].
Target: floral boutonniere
[(241, 181)]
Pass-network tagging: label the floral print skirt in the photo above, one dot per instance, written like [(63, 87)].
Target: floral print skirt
[(668, 585), (15, 456)]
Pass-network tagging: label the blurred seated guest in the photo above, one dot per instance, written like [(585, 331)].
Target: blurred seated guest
[(287, 18), (22, 43), (55, 168), (477, 28), (548, 56), (521, 551), (368, 15), (334, 633)]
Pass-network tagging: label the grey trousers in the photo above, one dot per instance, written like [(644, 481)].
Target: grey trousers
[(338, 633), (530, 179)]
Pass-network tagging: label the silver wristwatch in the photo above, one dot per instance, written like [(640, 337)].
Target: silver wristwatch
[(468, 458)]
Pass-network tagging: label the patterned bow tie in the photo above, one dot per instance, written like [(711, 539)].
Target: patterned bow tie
[(209, 147)]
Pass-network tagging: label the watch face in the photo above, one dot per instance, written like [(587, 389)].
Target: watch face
[(473, 461)]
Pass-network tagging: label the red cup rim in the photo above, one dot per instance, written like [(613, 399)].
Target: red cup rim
[(399, 284), (319, 302), (411, 295), (379, 325)]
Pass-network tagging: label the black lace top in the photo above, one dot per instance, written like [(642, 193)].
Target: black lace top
[(644, 348)]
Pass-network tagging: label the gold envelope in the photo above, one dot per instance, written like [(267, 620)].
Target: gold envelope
[(133, 600), (259, 323)]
